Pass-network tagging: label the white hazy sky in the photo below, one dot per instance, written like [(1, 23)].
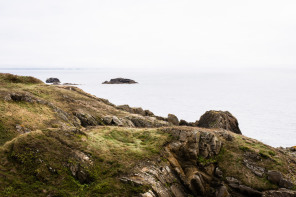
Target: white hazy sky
[(142, 33)]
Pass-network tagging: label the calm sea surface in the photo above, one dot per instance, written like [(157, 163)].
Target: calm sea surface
[(263, 101)]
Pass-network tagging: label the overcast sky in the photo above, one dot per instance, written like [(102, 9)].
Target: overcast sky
[(143, 33)]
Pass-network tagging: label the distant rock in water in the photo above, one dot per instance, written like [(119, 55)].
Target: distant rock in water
[(219, 119), (120, 81), (52, 80)]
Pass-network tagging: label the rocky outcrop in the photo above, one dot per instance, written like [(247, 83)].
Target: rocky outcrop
[(52, 80), (280, 193), (120, 81), (20, 97), (219, 119), (173, 119), (112, 120), (290, 151), (86, 119), (182, 175), (79, 169), (183, 123), (135, 110), (237, 186), (191, 169), (189, 161), (140, 122), (278, 179), (190, 124)]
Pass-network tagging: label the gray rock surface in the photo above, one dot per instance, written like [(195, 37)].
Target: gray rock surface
[(280, 193), (278, 179), (184, 175), (52, 80), (173, 119), (135, 110), (120, 81), (219, 119), (86, 119)]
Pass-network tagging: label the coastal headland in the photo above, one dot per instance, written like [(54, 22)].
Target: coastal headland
[(62, 141)]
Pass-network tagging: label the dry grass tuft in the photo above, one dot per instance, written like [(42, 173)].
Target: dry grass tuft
[(10, 78)]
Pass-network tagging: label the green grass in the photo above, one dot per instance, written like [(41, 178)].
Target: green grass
[(116, 151), (244, 148), (231, 161), (38, 163)]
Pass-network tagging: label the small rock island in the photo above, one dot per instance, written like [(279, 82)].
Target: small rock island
[(120, 81), (52, 80)]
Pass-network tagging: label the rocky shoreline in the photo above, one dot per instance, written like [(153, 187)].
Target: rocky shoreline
[(62, 141)]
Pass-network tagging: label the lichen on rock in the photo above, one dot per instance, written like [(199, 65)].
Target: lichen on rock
[(219, 119)]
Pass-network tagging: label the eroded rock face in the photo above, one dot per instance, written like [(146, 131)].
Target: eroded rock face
[(278, 179), (219, 119), (86, 119), (52, 80), (280, 193), (182, 175), (20, 97), (120, 81), (185, 172), (79, 169)]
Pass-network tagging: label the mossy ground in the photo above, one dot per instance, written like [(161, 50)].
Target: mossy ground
[(34, 115), (37, 163), (231, 162)]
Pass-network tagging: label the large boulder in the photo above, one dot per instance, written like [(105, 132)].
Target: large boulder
[(86, 119), (219, 119), (184, 123), (278, 179), (120, 81), (173, 119), (52, 80), (18, 97)]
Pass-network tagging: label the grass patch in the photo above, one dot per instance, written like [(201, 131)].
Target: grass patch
[(38, 163), (231, 161), (244, 148), (206, 161), (271, 153), (116, 151), (264, 155), (10, 78), (29, 115)]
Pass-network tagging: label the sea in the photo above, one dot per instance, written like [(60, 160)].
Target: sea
[(263, 100)]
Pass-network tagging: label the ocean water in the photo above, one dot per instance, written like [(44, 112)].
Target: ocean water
[(263, 101)]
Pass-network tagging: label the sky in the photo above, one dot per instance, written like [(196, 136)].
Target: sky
[(140, 33)]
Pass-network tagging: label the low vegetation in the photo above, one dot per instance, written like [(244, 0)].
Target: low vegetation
[(237, 152), (10, 78), (46, 151), (39, 163)]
